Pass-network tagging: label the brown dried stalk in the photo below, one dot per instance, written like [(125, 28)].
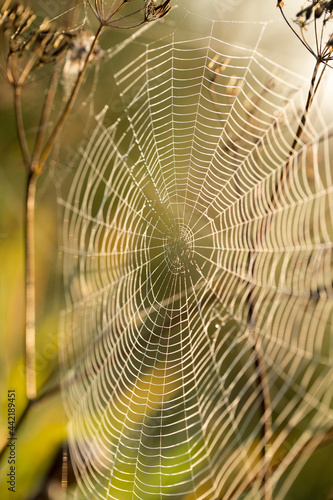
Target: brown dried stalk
[(27, 50), (107, 12), (323, 57), (321, 10)]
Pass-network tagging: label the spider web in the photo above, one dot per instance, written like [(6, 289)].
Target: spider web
[(197, 345)]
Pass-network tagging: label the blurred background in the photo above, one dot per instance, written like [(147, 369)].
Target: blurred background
[(42, 433)]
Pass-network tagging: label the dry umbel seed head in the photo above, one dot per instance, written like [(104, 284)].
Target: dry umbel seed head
[(314, 14), (15, 17), (315, 11), (154, 11), (29, 48), (124, 13)]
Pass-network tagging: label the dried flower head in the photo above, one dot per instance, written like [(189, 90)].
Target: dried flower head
[(120, 14), (109, 13), (154, 11), (316, 13), (15, 18), (29, 48)]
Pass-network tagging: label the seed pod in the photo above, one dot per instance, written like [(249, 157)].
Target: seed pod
[(155, 11), (318, 12), (328, 6), (307, 12)]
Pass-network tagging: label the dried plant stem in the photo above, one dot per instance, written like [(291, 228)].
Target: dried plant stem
[(35, 167), (266, 416), (20, 125), (262, 383), (46, 114), (282, 182), (278, 191), (30, 337), (264, 395), (55, 134), (306, 45), (21, 418)]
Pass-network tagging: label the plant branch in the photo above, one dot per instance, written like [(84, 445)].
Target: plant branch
[(20, 126), (26, 70), (264, 395), (259, 361), (56, 132), (281, 183), (46, 113), (18, 424), (35, 168), (295, 33), (266, 415)]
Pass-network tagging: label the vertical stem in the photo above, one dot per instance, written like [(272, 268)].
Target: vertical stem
[(264, 395), (266, 416), (20, 125), (46, 112), (259, 361), (281, 183), (280, 186), (30, 299), (35, 167)]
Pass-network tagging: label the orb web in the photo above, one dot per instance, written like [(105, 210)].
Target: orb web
[(197, 335)]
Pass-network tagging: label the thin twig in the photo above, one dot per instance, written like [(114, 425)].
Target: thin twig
[(52, 391), (113, 13), (27, 69), (264, 395), (295, 33), (35, 169), (266, 415), (259, 362), (19, 421), (46, 114), (316, 36), (281, 183), (56, 132), (20, 126)]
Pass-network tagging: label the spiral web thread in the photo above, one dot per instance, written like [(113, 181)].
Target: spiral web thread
[(173, 387)]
